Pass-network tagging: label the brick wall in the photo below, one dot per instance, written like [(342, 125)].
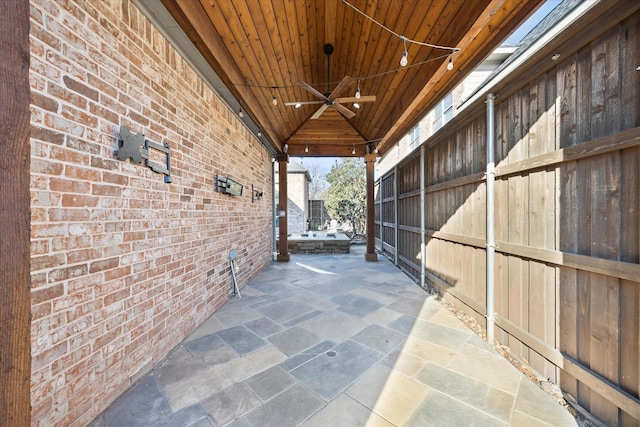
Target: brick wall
[(124, 266)]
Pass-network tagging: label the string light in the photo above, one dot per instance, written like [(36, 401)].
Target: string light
[(274, 101), (403, 60), (259, 134), (306, 148), (240, 113), (354, 149), (450, 63), (358, 91), (405, 54)]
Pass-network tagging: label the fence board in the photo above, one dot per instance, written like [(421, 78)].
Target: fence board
[(567, 216)]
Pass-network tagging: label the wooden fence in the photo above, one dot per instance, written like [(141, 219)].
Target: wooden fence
[(567, 211)]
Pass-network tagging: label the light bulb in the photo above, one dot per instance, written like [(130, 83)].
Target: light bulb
[(354, 149), (274, 101), (298, 105), (306, 148), (356, 105), (403, 60), (358, 93), (241, 114), (259, 134), (450, 64)]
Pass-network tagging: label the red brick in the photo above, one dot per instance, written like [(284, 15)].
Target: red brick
[(79, 116), (104, 264), (70, 186), (81, 255), (78, 200), (86, 174), (116, 296), (46, 294), (59, 92), (69, 156), (67, 243), (66, 273), (46, 167), (44, 102), (80, 88), (53, 353), (106, 338), (46, 261), (57, 214), (81, 310), (83, 145)]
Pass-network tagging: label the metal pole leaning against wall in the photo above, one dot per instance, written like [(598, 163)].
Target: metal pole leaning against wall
[(423, 249), (491, 244)]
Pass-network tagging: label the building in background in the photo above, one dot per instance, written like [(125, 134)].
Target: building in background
[(447, 109), (298, 180)]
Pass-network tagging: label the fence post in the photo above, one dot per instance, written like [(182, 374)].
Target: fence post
[(491, 244)]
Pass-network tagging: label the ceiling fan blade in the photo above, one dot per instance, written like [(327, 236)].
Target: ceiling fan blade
[(304, 103), (343, 110), (351, 99), (342, 86), (320, 111), (313, 90)]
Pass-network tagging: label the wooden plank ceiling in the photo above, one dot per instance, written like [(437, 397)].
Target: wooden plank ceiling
[(262, 49)]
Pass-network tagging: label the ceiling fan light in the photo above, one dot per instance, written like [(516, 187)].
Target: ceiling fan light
[(403, 60), (356, 105), (298, 105)]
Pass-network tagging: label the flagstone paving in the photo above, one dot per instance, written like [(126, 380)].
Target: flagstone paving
[(332, 340)]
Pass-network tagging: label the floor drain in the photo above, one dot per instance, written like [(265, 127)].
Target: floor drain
[(331, 353)]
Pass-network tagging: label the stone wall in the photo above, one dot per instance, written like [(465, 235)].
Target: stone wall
[(124, 266)]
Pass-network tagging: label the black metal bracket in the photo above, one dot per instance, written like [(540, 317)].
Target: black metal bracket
[(255, 194), (136, 148)]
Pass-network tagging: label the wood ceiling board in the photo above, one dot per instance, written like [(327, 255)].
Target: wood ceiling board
[(193, 20), (330, 127), (440, 33), (265, 43), (257, 23), (496, 22)]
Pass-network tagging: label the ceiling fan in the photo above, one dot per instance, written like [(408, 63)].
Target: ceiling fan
[(330, 99)]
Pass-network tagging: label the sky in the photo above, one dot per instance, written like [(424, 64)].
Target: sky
[(324, 163)]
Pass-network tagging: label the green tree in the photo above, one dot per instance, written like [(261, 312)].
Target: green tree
[(347, 194)]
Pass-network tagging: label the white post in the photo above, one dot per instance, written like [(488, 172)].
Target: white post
[(491, 244)]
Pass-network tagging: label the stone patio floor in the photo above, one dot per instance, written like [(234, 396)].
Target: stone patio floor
[(332, 340)]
